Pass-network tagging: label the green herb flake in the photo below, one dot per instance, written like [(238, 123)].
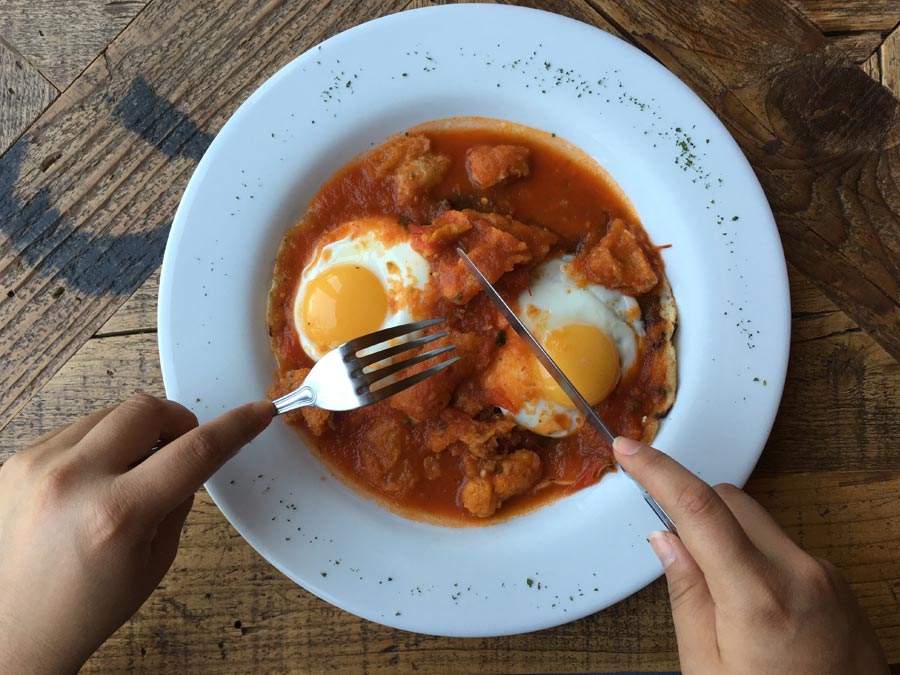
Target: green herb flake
[(324, 574), (530, 582)]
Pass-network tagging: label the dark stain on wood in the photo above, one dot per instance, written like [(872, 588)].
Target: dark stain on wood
[(158, 122), (830, 106)]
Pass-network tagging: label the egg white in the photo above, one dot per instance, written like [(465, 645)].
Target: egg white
[(555, 300), (397, 266)]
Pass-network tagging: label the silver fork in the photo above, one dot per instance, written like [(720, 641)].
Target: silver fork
[(340, 381)]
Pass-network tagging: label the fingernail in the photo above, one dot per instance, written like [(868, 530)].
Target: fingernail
[(662, 547), (625, 446)]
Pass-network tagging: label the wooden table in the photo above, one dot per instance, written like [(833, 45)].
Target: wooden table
[(105, 108)]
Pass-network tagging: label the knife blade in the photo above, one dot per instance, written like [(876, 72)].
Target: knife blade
[(536, 348)]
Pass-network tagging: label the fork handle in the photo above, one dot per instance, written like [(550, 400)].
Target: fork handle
[(299, 398)]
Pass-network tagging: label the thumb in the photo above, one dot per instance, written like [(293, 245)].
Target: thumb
[(693, 611)]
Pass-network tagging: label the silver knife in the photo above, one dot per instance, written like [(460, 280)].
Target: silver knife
[(557, 374)]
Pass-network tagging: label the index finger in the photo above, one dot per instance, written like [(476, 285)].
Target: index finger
[(713, 536), (165, 479)]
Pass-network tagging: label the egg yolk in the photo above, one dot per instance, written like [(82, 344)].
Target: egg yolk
[(587, 356), (342, 303)]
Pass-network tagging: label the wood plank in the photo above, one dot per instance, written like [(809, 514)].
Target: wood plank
[(872, 66), (857, 43), (138, 314), (850, 15), (62, 38), (890, 62), (857, 46), (86, 201), (853, 520), (823, 138), (223, 609), (580, 10), (24, 94), (104, 372), (815, 318), (841, 405)]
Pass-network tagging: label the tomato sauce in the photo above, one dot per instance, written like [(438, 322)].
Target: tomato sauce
[(565, 193)]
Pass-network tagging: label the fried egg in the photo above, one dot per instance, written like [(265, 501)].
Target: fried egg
[(593, 334), (363, 276)]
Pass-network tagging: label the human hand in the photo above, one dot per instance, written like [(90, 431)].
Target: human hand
[(745, 598), (88, 526)]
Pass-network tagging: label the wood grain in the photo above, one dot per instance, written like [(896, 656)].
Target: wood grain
[(89, 201), (580, 10), (857, 46), (103, 373), (872, 67), (890, 62), (823, 138), (61, 37), (138, 314), (841, 402), (832, 16), (24, 94)]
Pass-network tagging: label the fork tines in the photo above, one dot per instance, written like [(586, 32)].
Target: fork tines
[(364, 376)]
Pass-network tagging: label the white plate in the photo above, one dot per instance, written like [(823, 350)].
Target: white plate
[(692, 188)]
